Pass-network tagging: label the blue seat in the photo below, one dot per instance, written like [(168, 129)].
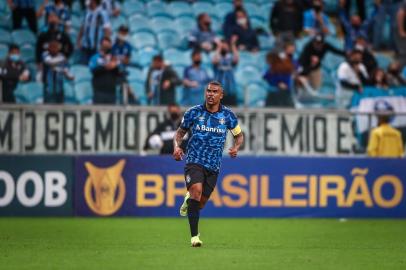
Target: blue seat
[(256, 94), (29, 93), (252, 9), (6, 21), (23, 36), (135, 74), (203, 7), (332, 61), (84, 92), (3, 51), (251, 59), (69, 92), (185, 24), (27, 53), (139, 23), (76, 8), (162, 23), (5, 36), (130, 8), (81, 73), (266, 42), (383, 60), (223, 8), (156, 8), (144, 56), (138, 90), (116, 22), (177, 57), (247, 74), (177, 9), (168, 39), (143, 39), (76, 22)]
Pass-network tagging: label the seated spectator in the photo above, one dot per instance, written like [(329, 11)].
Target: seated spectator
[(23, 9), (400, 35), (311, 58), (247, 37), (161, 82), (286, 19), (122, 48), (12, 71), (347, 4), (355, 27), (60, 10), (56, 71), (315, 20), (379, 79), (52, 33), (203, 38), (95, 27), (106, 74), (352, 76), (195, 78), (112, 7), (368, 58), (230, 21), (394, 75), (279, 76), (224, 62)]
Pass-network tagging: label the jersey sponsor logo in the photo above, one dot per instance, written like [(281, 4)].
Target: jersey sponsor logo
[(101, 188), (210, 129)]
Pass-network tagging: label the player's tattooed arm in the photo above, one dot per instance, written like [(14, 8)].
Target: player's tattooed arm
[(238, 141), (177, 141)]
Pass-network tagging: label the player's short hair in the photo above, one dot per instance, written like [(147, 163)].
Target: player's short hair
[(215, 83), (158, 57)]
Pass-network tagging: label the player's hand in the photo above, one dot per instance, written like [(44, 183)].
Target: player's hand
[(233, 152), (166, 84), (178, 154)]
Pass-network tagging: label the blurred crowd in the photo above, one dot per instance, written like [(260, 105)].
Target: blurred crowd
[(282, 53)]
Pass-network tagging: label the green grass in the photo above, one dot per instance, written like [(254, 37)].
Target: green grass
[(139, 243)]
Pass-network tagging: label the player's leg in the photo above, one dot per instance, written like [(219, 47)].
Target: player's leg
[(208, 186)]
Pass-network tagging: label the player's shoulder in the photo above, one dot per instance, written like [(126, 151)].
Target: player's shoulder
[(227, 111), (194, 110)]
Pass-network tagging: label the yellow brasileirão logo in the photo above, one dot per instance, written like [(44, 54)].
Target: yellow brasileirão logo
[(104, 188)]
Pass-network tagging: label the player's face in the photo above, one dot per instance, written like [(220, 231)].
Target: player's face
[(214, 94)]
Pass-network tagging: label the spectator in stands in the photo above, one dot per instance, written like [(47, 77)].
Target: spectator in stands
[(122, 48), (112, 7), (230, 21), (95, 27), (203, 38), (105, 74), (161, 82), (162, 136), (62, 12), (311, 58), (355, 26), (368, 58), (387, 8), (286, 19), (315, 20), (279, 76), (346, 5), (224, 62), (400, 34), (12, 71), (195, 78), (23, 9), (53, 33), (352, 76), (394, 75), (247, 37), (379, 79), (56, 71), (384, 140)]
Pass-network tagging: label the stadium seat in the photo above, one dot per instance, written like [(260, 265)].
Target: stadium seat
[(23, 36), (162, 23), (6, 21), (5, 37), (247, 74), (117, 22), (27, 52), (143, 39), (156, 8), (135, 74), (383, 60), (266, 42), (252, 9), (69, 93), (76, 22), (130, 8), (84, 92), (3, 51), (177, 57), (81, 73), (76, 8), (256, 94), (144, 56), (168, 39), (332, 61), (185, 24), (251, 59), (259, 23), (203, 7), (138, 89), (139, 23), (29, 93), (223, 8), (177, 9)]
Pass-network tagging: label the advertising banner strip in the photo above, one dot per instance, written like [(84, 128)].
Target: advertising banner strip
[(246, 187)]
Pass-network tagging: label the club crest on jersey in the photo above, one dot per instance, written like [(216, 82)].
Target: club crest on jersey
[(222, 121), (201, 119)]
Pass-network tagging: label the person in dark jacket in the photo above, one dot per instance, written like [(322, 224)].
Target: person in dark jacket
[(311, 57), (368, 58), (162, 136), (247, 37), (161, 82), (286, 18), (230, 21)]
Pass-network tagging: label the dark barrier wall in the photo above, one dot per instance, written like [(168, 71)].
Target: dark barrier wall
[(247, 187), (36, 185)]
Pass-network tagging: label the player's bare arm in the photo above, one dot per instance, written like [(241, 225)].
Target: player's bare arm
[(177, 141), (238, 141)]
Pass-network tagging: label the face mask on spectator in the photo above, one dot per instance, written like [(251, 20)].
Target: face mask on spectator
[(359, 47), (197, 62), (223, 52), (14, 57), (317, 8), (122, 37), (207, 24), (242, 21)]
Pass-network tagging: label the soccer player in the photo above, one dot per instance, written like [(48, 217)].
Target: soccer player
[(208, 124)]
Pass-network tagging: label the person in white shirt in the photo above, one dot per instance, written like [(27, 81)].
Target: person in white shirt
[(352, 75)]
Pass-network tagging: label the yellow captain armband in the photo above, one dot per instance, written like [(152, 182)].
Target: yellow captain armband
[(237, 130)]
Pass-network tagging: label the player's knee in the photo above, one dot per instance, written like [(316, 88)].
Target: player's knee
[(195, 192), (203, 201)]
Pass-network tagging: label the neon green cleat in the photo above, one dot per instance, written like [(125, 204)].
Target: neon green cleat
[(195, 241), (183, 207)]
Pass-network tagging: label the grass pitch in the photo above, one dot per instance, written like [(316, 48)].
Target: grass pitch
[(139, 243)]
